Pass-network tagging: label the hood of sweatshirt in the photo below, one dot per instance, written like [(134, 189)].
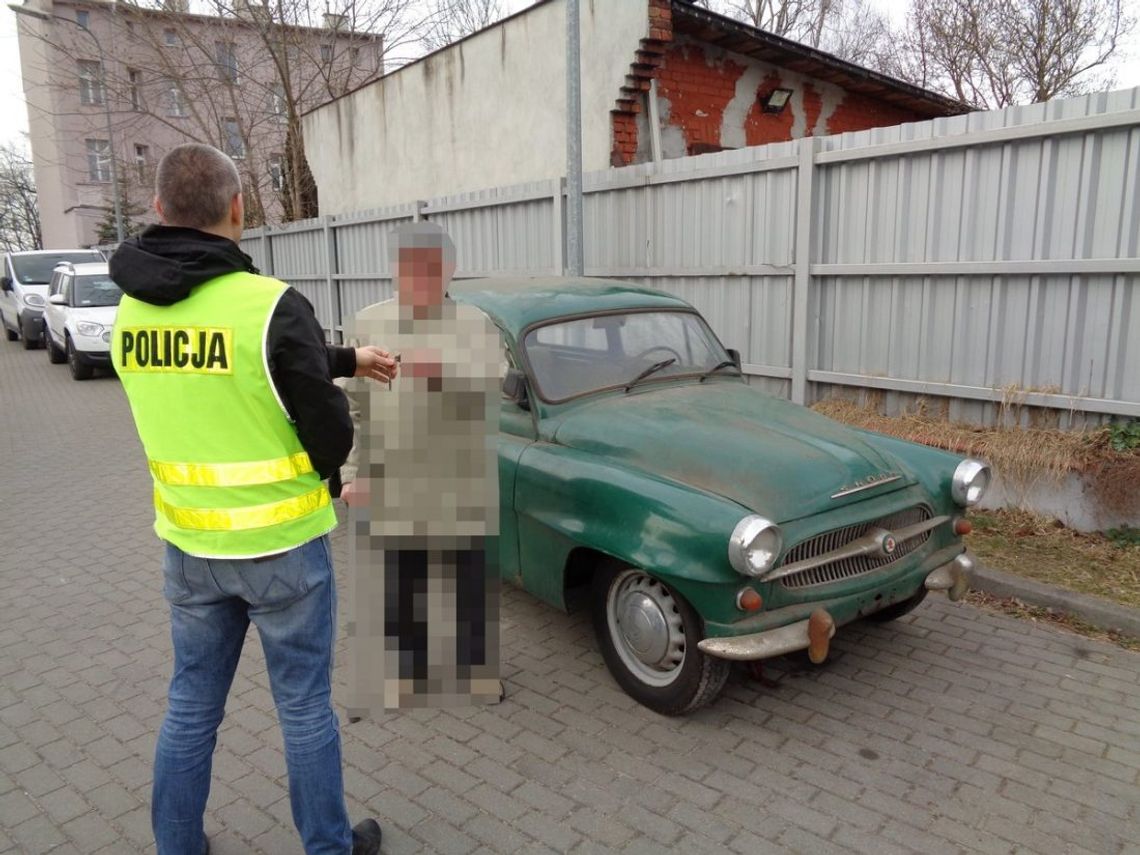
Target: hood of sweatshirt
[(163, 264)]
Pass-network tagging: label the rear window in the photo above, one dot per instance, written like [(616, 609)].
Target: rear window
[(37, 269)]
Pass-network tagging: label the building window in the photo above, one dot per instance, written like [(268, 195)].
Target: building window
[(90, 81), (226, 58), (326, 53), (170, 37), (82, 17), (277, 172), (142, 161), (277, 105), (175, 100), (232, 143), (134, 78), (355, 55), (98, 160)]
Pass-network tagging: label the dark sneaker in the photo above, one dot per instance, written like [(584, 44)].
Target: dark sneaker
[(366, 838)]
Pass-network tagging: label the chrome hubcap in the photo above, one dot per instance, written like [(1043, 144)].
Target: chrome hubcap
[(645, 626)]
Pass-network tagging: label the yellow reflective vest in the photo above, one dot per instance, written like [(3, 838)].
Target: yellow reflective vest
[(231, 479)]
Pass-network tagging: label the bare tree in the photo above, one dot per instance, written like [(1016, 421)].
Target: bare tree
[(994, 53), (237, 74), (848, 29), (19, 214), (451, 20)]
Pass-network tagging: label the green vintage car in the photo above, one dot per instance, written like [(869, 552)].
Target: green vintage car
[(703, 520)]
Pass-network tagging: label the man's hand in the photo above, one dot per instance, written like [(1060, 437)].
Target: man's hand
[(376, 363), (355, 493)]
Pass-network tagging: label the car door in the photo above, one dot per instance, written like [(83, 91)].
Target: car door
[(8, 296), (516, 432), (53, 314)]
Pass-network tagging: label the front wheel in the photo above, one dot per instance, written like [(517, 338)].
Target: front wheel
[(55, 355), (8, 331), (648, 636), (79, 369)]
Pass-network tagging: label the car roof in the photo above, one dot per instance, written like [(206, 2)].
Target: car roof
[(54, 251), (94, 268), (516, 303)]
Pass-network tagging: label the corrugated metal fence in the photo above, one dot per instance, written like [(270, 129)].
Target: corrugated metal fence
[(986, 263)]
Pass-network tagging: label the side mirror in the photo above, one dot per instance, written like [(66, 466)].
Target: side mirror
[(734, 355), (6, 283), (57, 300), (514, 388)]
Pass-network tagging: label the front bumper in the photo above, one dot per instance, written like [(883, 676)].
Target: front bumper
[(814, 633)]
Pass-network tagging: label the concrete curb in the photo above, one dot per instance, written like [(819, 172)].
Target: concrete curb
[(1093, 610)]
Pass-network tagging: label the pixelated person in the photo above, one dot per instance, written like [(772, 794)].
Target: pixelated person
[(228, 378), (422, 485)]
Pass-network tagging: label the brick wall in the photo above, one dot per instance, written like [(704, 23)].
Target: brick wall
[(697, 90), (697, 83)]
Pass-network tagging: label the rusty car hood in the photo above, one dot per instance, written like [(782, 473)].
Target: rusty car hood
[(774, 457)]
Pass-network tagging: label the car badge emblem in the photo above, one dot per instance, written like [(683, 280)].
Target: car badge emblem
[(889, 545), (866, 484)]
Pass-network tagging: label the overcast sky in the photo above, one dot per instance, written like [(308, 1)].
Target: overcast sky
[(15, 114)]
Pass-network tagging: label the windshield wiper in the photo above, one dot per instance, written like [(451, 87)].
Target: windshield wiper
[(652, 369), (728, 363)]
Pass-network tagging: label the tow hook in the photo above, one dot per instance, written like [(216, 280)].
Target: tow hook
[(821, 626)]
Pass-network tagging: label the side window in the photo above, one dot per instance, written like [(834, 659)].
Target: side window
[(53, 288), (65, 288)]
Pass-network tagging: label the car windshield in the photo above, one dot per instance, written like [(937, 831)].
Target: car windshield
[(571, 358), (96, 291), (37, 269)]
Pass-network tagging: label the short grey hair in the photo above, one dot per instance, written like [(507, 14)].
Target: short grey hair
[(195, 184), (421, 235)]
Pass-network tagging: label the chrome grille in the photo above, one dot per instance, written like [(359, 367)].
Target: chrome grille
[(846, 568)]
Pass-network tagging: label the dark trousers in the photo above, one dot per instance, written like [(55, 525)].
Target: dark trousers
[(406, 574)]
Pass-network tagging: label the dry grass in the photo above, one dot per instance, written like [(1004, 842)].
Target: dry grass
[(1038, 548), (1037, 614), (1021, 455)]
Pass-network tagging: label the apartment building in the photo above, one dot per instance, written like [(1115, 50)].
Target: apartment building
[(111, 86)]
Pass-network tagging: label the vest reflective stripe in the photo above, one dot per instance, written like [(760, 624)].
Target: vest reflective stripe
[(232, 474), (242, 519)]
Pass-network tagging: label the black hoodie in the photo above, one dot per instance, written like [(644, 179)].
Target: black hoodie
[(164, 264)]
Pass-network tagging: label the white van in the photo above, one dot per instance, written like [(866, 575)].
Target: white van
[(24, 288)]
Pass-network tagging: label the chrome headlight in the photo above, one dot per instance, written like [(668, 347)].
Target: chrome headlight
[(971, 480), (88, 328), (34, 301), (754, 545)]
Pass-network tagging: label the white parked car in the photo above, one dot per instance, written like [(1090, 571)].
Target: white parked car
[(24, 287), (81, 307)]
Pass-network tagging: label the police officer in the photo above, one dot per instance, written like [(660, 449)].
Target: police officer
[(229, 381)]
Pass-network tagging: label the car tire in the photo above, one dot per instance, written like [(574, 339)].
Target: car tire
[(656, 660), (29, 342), (79, 371), (55, 355), (8, 331), (897, 610)]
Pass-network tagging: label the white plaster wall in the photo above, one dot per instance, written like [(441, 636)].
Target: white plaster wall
[(487, 112), (1072, 501)]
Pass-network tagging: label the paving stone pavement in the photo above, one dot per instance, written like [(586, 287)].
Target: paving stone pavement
[(952, 730)]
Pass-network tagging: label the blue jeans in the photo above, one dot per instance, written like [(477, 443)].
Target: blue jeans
[(291, 599)]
